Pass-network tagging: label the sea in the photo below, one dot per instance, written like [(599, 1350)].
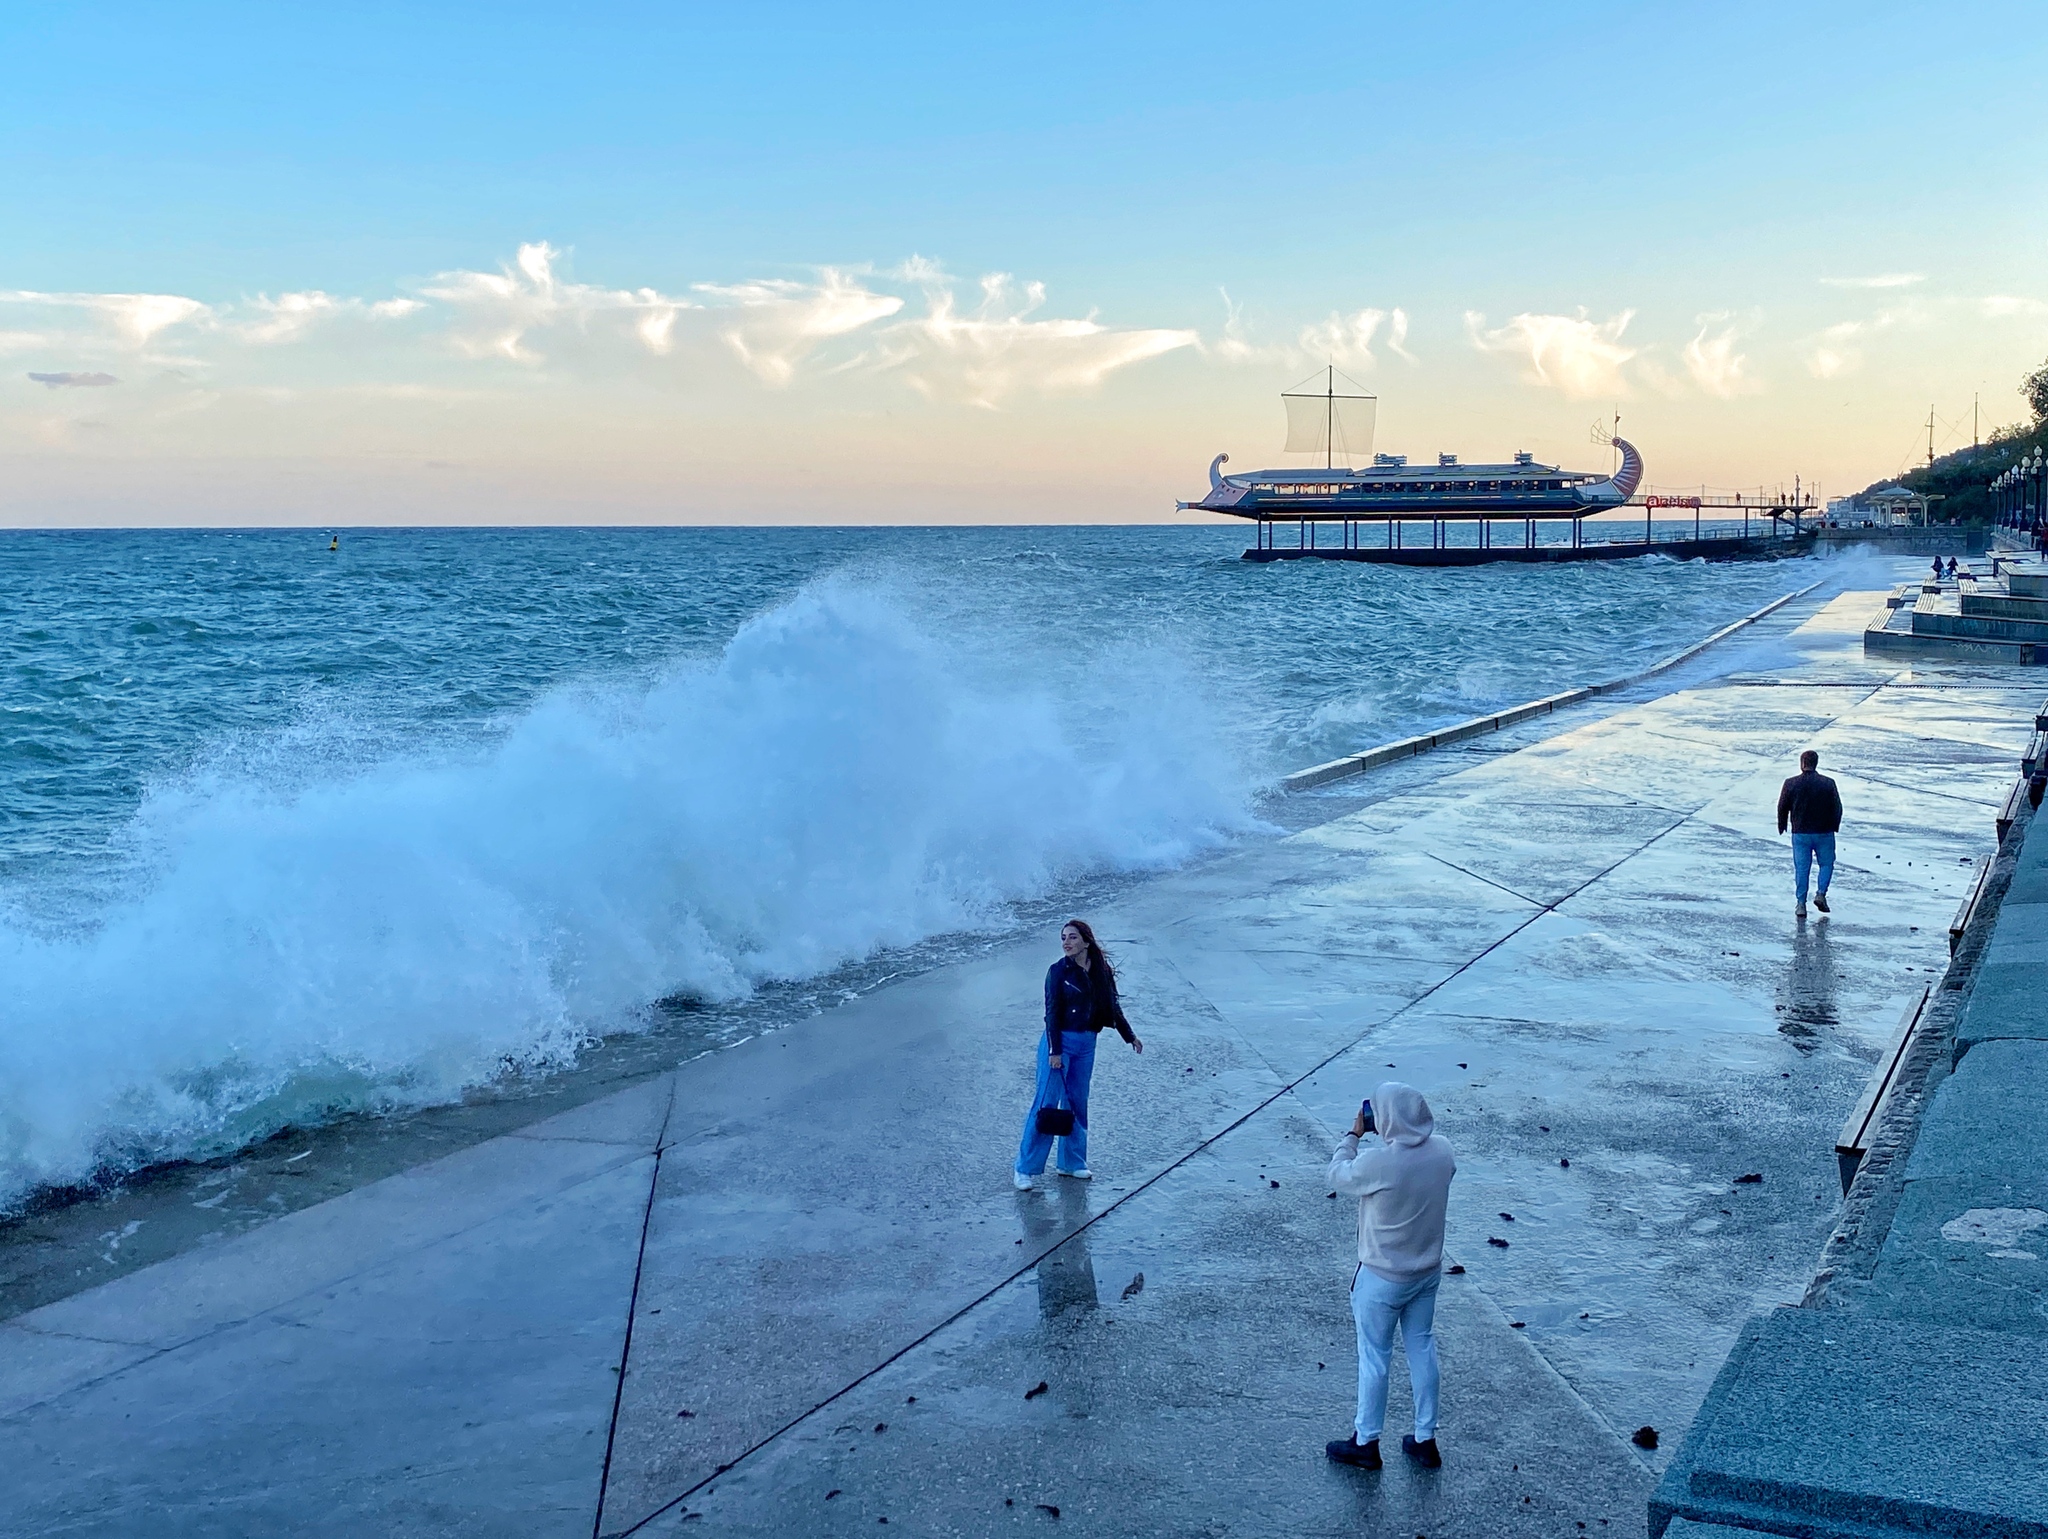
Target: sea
[(290, 833)]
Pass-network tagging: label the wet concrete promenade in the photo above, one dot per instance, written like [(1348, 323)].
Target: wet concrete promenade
[(787, 1289)]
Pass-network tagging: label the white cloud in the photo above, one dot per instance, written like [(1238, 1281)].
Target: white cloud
[(1349, 340), (1346, 340), (987, 353), (1714, 364), (781, 323), (1835, 353), (530, 311), (289, 317), (133, 319), (1580, 357), (2000, 306), (1881, 281), (500, 310)]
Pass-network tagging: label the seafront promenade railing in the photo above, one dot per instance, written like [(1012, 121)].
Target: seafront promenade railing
[(1740, 525)]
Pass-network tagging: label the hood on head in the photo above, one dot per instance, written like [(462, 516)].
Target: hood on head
[(1401, 1115)]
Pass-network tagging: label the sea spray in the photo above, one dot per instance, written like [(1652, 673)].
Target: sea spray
[(293, 943)]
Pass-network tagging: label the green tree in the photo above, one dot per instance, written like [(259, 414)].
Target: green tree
[(2035, 388)]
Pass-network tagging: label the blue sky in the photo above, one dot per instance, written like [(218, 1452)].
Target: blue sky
[(757, 243)]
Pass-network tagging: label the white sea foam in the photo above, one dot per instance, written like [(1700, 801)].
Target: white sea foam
[(838, 780)]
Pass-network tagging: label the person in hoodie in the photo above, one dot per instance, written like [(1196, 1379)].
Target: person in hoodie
[(1812, 805), (1402, 1181)]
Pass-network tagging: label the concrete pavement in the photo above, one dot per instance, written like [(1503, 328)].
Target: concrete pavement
[(1577, 940)]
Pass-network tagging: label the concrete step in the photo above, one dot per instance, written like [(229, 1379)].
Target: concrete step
[(2004, 606), (1928, 621)]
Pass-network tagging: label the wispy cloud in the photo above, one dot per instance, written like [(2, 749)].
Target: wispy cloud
[(781, 323), (1573, 354), (131, 319), (1880, 281), (995, 349), (1838, 349), (1835, 353), (290, 317), (68, 380), (907, 323), (497, 312), (1997, 307), (1347, 340), (1714, 364)]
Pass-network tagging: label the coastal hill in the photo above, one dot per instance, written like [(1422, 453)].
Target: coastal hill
[(1961, 477)]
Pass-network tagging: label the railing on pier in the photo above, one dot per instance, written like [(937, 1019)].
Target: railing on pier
[(1762, 523)]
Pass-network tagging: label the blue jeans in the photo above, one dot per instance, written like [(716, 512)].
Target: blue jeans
[(1805, 848), (1377, 1305), (1065, 1086)]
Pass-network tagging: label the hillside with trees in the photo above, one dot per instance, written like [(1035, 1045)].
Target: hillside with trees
[(1960, 478)]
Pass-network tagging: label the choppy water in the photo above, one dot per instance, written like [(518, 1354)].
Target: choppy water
[(286, 832)]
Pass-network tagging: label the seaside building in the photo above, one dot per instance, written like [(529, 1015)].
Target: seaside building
[(1897, 507)]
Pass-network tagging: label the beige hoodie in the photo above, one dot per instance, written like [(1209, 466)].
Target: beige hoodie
[(1402, 1182)]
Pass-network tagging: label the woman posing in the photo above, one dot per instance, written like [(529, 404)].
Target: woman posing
[(1080, 1000)]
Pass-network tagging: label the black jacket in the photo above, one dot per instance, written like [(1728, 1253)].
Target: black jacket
[(1080, 1001), (1812, 804)]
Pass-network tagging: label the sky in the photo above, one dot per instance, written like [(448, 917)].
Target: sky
[(442, 264)]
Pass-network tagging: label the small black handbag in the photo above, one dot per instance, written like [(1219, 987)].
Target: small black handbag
[(1055, 1120)]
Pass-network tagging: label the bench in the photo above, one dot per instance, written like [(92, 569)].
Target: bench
[(1853, 1142)]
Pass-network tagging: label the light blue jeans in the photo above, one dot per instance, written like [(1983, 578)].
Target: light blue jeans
[(1806, 848), (1065, 1086), (1377, 1305)]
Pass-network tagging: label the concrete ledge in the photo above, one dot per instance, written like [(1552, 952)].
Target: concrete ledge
[(1880, 642), (2003, 606), (1977, 627), (1408, 747), (1827, 1424)]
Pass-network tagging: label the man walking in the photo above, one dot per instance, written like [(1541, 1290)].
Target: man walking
[(1403, 1185), (1813, 807)]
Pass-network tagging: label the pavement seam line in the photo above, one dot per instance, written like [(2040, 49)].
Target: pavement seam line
[(163, 1348), (611, 1435), (1094, 1218)]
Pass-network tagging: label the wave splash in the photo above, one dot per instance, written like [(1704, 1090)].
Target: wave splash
[(838, 781)]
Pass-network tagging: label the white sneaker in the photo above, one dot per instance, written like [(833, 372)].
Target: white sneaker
[(1083, 1174), (1019, 1180), (1799, 911)]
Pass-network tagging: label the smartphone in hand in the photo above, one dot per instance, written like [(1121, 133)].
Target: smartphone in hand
[(1365, 1111)]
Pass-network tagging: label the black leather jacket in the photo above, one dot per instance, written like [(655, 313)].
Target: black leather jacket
[(1074, 1002)]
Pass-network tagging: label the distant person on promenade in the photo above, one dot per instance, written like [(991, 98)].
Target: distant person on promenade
[(1812, 806), (1402, 1182), (1080, 1000), (1937, 569)]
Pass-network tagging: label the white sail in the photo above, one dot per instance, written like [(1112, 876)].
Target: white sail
[(1336, 425)]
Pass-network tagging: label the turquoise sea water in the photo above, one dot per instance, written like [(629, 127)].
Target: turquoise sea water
[(286, 832)]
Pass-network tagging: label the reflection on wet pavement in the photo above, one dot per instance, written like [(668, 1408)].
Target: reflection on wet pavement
[(1806, 1000)]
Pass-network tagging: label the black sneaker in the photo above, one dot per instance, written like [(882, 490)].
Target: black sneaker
[(1364, 1456), (1820, 901), (1424, 1454)]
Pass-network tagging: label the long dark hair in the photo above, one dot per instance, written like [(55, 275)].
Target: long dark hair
[(1100, 973)]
